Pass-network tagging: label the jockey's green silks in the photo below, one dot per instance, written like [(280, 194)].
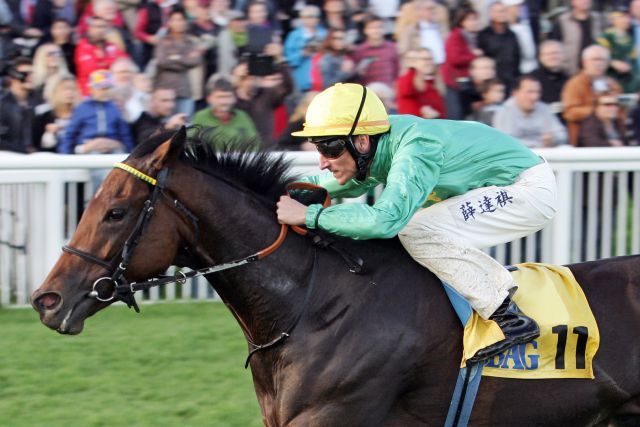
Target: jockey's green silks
[(420, 162)]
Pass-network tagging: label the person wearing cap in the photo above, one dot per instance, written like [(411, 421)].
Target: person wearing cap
[(96, 125), (451, 189)]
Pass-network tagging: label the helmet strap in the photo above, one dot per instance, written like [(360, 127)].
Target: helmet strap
[(362, 159)]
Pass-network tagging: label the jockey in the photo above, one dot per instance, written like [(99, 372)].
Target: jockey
[(451, 189)]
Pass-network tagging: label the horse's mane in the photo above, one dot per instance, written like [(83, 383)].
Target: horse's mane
[(234, 161)]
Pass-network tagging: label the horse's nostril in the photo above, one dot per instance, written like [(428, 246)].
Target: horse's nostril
[(48, 301)]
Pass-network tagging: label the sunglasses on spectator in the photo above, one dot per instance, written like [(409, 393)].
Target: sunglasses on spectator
[(54, 53), (609, 104), (331, 148)]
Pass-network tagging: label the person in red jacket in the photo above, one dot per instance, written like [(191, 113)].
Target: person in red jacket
[(416, 89), (460, 49), (94, 53)]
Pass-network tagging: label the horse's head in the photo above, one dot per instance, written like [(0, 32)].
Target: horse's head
[(129, 223)]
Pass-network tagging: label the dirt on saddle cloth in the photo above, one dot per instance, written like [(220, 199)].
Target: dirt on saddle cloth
[(569, 336)]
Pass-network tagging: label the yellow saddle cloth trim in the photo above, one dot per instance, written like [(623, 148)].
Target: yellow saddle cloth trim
[(569, 336)]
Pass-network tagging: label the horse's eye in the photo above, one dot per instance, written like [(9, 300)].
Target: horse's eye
[(116, 214)]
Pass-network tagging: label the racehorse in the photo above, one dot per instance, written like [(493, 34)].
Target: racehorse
[(331, 348)]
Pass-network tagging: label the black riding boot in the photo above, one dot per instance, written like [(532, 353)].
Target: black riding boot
[(516, 326)]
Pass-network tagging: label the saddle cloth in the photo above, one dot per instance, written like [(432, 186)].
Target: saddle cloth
[(569, 336)]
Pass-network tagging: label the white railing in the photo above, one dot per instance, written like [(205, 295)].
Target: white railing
[(41, 196)]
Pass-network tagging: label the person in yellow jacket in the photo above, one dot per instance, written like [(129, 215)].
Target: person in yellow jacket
[(451, 189)]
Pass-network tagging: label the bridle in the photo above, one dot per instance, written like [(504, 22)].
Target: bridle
[(115, 287)]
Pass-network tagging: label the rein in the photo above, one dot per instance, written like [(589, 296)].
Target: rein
[(119, 289)]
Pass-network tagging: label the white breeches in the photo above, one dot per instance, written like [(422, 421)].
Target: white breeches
[(447, 237)]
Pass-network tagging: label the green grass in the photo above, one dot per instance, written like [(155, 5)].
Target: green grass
[(171, 365)]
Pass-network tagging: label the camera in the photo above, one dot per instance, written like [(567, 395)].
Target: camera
[(260, 64)]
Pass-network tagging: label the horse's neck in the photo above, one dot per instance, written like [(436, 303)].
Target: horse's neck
[(265, 295)]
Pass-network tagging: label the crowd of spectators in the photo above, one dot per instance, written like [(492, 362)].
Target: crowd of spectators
[(100, 76)]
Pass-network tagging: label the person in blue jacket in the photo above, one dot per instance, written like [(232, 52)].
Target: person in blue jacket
[(96, 125)]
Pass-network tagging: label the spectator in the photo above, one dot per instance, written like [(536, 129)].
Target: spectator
[(48, 62), (94, 53), (500, 43), (16, 109), (177, 53), (232, 42), (48, 11), (221, 13), (159, 116), (96, 126), (482, 70), (106, 10), (461, 48), (580, 92), (376, 59), (524, 117), (207, 32), (493, 93), (417, 94), (577, 29), (133, 100), (603, 127), (622, 66), (61, 35), (333, 63), (336, 18), (408, 17), (260, 96), (551, 72), (521, 27), (426, 32), (634, 9), (301, 44), (149, 28), (232, 125), (61, 94), (288, 142)]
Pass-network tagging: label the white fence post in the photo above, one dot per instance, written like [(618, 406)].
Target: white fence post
[(561, 226)]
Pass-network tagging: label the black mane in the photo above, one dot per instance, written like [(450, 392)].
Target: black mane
[(237, 162)]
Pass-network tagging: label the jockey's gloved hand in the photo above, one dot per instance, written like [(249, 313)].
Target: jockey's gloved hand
[(308, 196)]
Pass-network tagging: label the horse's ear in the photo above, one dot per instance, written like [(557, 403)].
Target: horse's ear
[(169, 150)]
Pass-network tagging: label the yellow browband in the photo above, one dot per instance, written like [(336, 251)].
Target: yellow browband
[(135, 172)]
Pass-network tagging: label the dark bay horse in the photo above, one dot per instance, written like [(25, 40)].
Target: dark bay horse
[(380, 348)]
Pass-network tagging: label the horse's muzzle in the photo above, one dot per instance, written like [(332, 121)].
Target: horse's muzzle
[(46, 302)]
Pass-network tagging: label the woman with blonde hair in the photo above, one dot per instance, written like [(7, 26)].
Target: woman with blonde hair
[(48, 62), (61, 95)]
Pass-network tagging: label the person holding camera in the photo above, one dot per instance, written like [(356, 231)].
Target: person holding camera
[(261, 88), (16, 109), (416, 88), (301, 44)]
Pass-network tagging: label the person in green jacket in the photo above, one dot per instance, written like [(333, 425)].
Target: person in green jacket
[(451, 189), (231, 124)]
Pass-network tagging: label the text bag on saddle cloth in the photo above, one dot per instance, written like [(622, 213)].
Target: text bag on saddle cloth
[(569, 336)]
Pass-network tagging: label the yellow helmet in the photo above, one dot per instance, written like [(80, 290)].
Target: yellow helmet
[(334, 111)]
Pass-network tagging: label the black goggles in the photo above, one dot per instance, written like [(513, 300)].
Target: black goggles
[(331, 148)]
